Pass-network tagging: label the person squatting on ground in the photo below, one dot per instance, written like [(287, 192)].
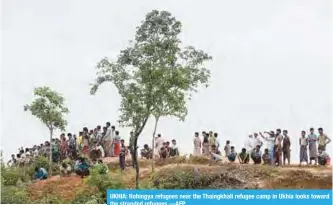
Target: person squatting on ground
[(65, 169), (40, 173), (82, 167)]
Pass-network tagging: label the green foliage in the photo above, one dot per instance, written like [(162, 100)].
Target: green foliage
[(41, 161), (183, 179), (10, 176), (154, 75), (48, 106), (50, 199), (103, 182), (83, 198), (14, 195)]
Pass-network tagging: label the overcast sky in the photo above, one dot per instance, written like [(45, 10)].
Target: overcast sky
[(271, 65)]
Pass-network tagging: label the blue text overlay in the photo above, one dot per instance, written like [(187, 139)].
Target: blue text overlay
[(217, 197)]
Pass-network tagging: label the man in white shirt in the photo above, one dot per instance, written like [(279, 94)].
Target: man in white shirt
[(256, 140), (108, 139), (217, 142), (158, 144), (249, 145)]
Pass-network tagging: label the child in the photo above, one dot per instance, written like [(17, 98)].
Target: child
[(232, 155)]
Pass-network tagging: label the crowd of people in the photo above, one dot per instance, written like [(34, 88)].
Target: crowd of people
[(88, 148), (276, 153)]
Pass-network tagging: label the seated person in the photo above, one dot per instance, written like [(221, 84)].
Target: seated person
[(146, 152), (65, 169), (82, 167), (232, 155), (323, 158), (97, 152), (266, 157), (243, 157), (256, 155), (40, 173), (164, 151), (215, 153), (174, 151)]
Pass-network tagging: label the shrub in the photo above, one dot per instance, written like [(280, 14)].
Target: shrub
[(83, 198), (14, 195), (103, 182), (50, 199), (41, 161), (10, 176)]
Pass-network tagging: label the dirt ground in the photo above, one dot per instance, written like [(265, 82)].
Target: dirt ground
[(229, 176)]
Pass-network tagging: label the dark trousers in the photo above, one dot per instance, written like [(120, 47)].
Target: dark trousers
[(122, 162)]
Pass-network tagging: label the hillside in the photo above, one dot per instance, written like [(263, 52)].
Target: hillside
[(193, 173)]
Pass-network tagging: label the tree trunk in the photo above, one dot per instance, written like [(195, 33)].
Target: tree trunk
[(50, 159), (153, 145), (136, 164)]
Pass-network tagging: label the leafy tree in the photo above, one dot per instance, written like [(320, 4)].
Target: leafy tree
[(154, 75), (48, 106)]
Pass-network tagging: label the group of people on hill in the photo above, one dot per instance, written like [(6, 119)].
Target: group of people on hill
[(106, 142), (277, 151), (95, 144), (90, 144)]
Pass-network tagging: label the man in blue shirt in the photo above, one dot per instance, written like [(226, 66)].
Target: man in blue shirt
[(40, 173)]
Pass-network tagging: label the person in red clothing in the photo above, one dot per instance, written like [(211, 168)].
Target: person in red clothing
[(116, 144)]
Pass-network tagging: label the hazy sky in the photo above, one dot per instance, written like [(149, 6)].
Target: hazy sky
[(271, 65)]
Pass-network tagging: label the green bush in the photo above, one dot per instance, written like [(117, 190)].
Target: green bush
[(41, 161), (103, 182), (50, 199), (10, 176), (14, 195), (89, 199)]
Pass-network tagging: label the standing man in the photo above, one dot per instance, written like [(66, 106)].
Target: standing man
[(303, 153), (286, 147), (113, 135), (256, 140), (312, 140), (323, 140), (108, 140), (212, 139), (99, 134), (158, 144), (197, 145), (278, 148), (249, 145)]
